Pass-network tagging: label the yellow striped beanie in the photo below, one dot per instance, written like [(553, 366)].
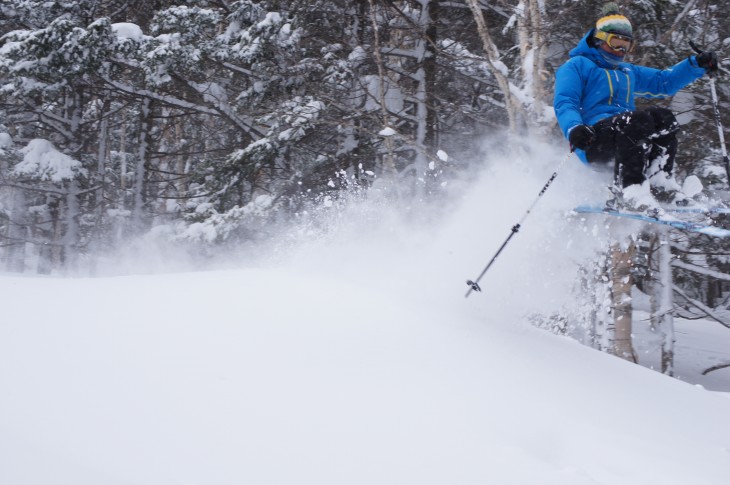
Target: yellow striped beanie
[(613, 22)]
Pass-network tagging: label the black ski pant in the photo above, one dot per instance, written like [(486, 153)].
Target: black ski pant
[(632, 140)]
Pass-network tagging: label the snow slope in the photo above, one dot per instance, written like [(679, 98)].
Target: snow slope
[(351, 358)]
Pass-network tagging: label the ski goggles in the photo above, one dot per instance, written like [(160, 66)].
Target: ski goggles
[(617, 42)]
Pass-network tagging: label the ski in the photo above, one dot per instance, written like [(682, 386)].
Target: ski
[(661, 219), (697, 210)]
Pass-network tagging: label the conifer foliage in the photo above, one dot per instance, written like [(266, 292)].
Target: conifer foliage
[(211, 118)]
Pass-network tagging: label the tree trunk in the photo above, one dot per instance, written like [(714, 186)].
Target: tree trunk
[(597, 285), (532, 54), (496, 67), (621, 283), (17, 231), (388, 158), (663, 318), (71, 233), (102, 154), (426, 133), (140, 173), (662, 299)]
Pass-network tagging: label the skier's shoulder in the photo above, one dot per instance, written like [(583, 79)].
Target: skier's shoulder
[(579, 61), (579, 64)]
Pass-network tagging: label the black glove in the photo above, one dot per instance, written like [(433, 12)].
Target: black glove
[(581, 136), (708, 61)]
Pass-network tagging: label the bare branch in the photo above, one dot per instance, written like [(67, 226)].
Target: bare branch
[(701, 306), (714, 368)]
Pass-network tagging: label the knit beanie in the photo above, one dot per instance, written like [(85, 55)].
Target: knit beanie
[(612, 22)]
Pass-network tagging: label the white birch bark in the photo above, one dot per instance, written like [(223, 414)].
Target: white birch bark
[(666, 303), (496, 67), (421, 118), (533, 51), (539, 52), (595, 287), (388, 159), (600, 318), (621, 283), (424, 51), (662, 301)]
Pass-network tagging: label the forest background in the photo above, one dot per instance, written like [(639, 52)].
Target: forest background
[(209, 122)]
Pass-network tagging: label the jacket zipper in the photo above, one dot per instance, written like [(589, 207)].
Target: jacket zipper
[(610, 87)]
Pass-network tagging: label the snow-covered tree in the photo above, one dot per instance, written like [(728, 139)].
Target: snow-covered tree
[(223, 114)]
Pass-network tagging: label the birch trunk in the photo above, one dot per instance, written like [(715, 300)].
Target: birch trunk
[(621, 283), (388, 159), (662, 299), (496, 67), (533, 51), (426, 132), (539, 44), (539, 52), (666, 304), (598, 285)]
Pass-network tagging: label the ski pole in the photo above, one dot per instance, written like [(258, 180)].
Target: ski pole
[(718, 121), (474, 285), (720, 131)]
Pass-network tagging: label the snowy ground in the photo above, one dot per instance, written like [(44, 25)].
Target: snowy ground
[(700, 345), (348, 358)]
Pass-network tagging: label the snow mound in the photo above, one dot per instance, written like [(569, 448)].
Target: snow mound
[(280, 377), (350, 356)]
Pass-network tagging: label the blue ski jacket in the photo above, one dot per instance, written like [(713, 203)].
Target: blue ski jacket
[(589, 88)]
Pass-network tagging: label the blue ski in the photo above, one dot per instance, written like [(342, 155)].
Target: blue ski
[(667, 221), (698, 210)]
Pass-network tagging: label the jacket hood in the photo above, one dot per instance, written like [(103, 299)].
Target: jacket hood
[(585, 49)]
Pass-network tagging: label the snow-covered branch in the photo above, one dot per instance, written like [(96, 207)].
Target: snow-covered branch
[(701, 270), (715, 367), (701, 306), (220, 105), (166, 99)]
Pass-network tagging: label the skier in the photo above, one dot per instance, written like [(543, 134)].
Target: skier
[(594, 101)]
